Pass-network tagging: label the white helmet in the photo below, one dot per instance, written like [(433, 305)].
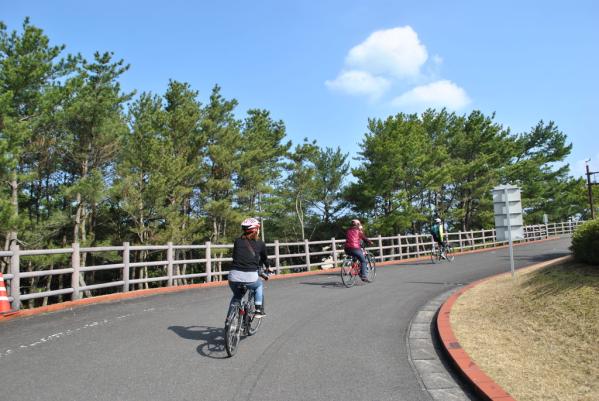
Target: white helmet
[(356, 223), (437, 220), (250, 225)]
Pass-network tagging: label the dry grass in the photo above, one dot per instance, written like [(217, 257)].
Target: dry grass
[(536, 336)]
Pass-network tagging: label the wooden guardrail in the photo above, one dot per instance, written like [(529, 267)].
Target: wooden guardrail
[(210, 261)]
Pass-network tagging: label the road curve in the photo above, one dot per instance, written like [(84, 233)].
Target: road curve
[(320, 341)]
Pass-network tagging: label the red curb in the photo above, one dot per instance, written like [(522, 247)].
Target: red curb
[(163, 290), (483, 384)]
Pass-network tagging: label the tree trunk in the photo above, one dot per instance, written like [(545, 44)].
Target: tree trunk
[(300, 215), (14, 201), (48, 286), (33, 287)]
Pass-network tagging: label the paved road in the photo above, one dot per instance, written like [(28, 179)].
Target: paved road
[(320, 341)]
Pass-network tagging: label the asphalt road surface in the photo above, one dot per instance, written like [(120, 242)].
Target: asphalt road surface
[(320, 340)]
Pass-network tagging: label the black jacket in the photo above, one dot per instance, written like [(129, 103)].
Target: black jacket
[(249, 255)]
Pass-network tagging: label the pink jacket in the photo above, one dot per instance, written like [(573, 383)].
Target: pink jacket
[(353, 237)]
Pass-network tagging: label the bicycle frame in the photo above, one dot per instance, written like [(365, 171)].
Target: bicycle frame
[(241, 319), (351, 268)]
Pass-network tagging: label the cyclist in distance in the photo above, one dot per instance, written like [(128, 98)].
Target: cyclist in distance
[(353, 237), (438, 233), (249, 255)]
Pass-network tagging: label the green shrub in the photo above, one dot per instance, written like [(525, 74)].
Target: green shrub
[(585, 242)]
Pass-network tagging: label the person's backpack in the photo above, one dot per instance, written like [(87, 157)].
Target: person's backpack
[(435, 232)]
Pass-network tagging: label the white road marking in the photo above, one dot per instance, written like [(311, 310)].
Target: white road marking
[(63, 334)]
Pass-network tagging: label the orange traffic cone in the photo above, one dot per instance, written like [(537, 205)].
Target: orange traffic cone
[(4, 304)]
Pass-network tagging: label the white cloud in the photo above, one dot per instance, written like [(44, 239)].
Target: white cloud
[(436, 94), (395, 58), (397, 52), (356, 82)]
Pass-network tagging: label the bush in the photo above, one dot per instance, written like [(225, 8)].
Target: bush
[(585, 242)]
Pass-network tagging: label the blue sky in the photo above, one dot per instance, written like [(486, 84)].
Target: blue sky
[(326, 67)]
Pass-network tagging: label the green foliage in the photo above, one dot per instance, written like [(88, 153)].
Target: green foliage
[(585, 242), (331, 170), (74, 166), (415, 167)]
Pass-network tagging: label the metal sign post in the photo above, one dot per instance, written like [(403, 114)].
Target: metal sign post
[(509, 230), (507, 207)]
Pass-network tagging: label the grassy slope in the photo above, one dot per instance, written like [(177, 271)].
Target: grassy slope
[(537, 337)]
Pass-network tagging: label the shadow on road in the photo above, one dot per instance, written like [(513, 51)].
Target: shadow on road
[(212, 339), (328, 284), (536, 258)]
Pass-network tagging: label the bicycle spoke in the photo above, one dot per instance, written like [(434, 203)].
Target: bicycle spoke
[(347, 274), (252, 324), (232, 331), (371, 268)]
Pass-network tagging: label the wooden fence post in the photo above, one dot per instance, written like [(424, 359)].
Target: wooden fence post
[(417, 245), (399, 245), (15, 282), (307, 251), (277, 257), (380, 239), (76, 265), (169, 266), (126, 273), (208, 263), (334, 249)]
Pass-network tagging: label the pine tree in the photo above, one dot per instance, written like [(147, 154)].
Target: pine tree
[(29, 67)]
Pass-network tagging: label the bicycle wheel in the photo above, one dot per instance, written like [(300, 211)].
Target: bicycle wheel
[(251, 323), (371, 268), (232, 330), (435, 256), (449, 253), (347, 273)]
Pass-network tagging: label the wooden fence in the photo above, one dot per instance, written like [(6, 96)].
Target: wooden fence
[(209, 261)]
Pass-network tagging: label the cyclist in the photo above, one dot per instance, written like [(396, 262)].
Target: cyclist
[(438, 233), (353, 237), (249, 255)]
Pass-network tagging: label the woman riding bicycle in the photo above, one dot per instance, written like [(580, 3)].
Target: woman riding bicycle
[(249, 254), (353, 246)]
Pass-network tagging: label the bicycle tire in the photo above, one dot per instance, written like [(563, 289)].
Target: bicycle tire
[(371, 268), (449, 253), (347, 278), (435, 256), (251, 323), (232, 330)]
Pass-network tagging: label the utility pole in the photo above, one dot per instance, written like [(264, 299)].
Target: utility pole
[(590, 187)]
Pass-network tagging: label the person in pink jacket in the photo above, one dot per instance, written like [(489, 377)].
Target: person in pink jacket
[(353, 247)]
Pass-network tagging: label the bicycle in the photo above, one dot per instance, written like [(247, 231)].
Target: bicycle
[(442, 253), (350, 269), (241, 318)]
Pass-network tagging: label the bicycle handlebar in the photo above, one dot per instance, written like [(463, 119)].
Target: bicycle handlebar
[(265, 273)]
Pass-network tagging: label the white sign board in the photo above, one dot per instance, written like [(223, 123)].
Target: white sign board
[(505, 207)]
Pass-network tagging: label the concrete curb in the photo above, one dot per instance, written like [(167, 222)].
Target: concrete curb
[(483, 384), (164, 290), (424, 350)]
